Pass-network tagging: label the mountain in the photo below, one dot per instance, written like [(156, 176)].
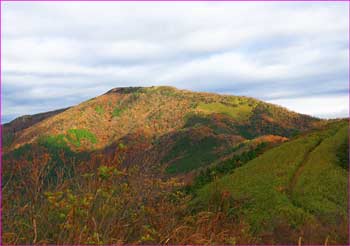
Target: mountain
[(162, 120), (138, 165)]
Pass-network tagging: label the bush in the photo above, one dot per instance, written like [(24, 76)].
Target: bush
[(100, 110), (343, 155), (57, 141), (75, 136), (116, 112)]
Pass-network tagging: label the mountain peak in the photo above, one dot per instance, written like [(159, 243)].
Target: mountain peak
[(133, 89)]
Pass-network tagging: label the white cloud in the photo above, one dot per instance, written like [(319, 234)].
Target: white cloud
[(62, 51), (324, 107)]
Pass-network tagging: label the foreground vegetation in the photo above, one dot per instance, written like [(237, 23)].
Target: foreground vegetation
[(298, 188), (47, 202)]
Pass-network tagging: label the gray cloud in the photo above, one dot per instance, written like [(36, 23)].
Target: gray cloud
[(59, 54)]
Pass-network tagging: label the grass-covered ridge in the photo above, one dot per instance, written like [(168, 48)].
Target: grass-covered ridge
[(297, 183), (240, 111), (320, 185)]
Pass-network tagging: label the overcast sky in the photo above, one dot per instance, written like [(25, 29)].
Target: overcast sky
[(59, 54)]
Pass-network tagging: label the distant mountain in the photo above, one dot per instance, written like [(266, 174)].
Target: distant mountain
[(165, 120), (143, 165)]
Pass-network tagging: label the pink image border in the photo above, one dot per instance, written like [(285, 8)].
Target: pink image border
[(1, 75)]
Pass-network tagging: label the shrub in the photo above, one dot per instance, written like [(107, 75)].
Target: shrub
[(75, 136), (100, 110), (116, 112), (7, 139), (343, 154), (57, 141)]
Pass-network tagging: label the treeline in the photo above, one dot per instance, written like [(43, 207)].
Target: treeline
[(209, 174)]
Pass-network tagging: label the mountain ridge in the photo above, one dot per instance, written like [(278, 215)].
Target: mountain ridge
[(198, 102)]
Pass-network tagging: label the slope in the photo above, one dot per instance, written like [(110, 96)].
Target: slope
[(113, 169), (162, 110), (298, 186), (177, 130), (10, 129)]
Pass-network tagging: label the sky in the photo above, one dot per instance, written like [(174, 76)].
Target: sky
[(56, 55)]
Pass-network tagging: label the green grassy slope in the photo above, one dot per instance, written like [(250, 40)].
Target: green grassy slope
[(240, 110), (299, 182), (320, 187)]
